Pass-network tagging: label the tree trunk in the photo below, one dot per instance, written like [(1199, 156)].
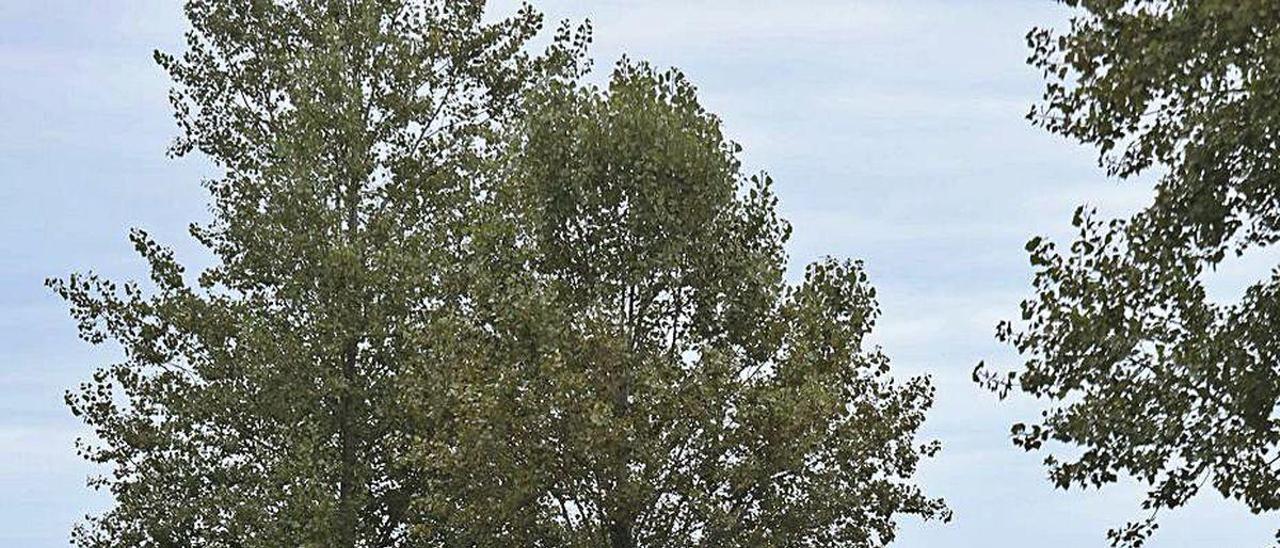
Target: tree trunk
[(347, 519), (346, 484), (621, 520), (620, 534)]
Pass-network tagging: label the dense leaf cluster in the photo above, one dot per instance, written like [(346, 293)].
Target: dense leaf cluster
[(660, 384), (462, 299)]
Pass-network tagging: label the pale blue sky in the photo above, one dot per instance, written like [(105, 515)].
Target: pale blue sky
[(894, 130)]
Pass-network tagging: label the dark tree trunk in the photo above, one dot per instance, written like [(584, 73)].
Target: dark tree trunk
[(620, 534), (347, 518), (346, 483)]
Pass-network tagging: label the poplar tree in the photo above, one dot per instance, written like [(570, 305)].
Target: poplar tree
[(461, 299), (257, 402), (653, 380), (1140, 369)]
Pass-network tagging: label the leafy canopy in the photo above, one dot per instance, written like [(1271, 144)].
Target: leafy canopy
[(461, 299), (656, 382), (1144, 372), (258, 403)]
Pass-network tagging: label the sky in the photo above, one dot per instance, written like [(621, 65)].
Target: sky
[(894, 132)]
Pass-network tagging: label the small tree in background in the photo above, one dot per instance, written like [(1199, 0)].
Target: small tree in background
[(653, 380), (1146, 374)]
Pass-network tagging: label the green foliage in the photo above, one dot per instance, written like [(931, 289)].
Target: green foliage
[(460, 299), (259, 405), (1147, 375), (659, 384)]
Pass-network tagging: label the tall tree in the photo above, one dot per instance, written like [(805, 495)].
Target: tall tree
[(1144, 372), (655, 382), (258, 404)]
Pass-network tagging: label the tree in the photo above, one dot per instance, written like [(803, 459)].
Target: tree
[(1144, 372), (258, 404), (653, 381)]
